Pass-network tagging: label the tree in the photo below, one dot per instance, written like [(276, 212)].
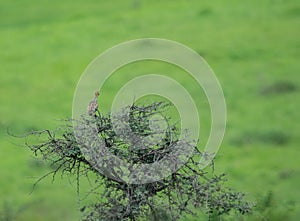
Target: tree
[(186, 189)]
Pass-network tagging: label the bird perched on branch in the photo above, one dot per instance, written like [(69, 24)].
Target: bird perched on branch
[(93, 105)]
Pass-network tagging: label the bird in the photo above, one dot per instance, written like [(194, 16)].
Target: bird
[(93, 105)]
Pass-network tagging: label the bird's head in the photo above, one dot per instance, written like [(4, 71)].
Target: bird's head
[(97, 93)]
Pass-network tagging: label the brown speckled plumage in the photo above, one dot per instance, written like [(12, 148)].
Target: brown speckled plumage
[(93, 105)]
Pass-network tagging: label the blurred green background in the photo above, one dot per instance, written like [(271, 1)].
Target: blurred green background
[(252, 46)]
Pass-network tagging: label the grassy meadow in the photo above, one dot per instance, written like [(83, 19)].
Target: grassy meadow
[(252, 46)]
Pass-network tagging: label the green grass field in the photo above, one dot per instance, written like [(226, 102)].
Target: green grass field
[(253, 47)]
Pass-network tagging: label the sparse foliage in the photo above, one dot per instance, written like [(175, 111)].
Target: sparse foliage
[(186, 190)]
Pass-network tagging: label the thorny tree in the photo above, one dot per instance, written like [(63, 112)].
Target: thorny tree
[(186, 190)]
